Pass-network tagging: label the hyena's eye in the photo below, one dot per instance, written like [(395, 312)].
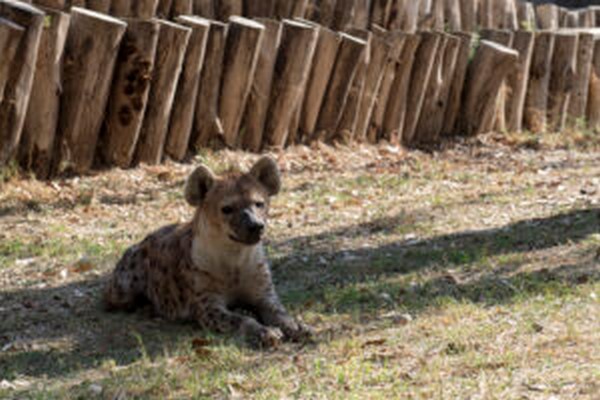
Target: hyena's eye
[(259, 204), (227, 210)]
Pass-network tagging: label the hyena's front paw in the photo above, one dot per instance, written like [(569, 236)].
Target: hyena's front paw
[(298, 331), (260, 336)]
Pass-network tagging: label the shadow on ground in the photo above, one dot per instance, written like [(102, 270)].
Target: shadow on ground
[(83, 336)]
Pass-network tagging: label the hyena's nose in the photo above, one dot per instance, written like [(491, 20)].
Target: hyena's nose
[(256, 228)]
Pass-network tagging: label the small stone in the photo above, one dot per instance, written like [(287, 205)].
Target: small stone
[(96, 389)]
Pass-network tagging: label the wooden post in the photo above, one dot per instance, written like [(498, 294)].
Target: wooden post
[(326, 51), (228, 8), (299, 9), (564, 64), (37, 142), (259, 8), (593, 106), (205, 8), (258, 100), (144, 9), (431, 122), (570, 19), (379, 49), (546, 16), (503, 37), (182, 7), (101, 6), (343, 14), (19, 80), (485, 14), (184, 104), (90, 54), (121, 8), (423, 65), (395, 109), (163, 10), (526, 16), (517, 81), (242, 48), (298, 41), (129, 94), (362, 12), (491, 64), (54, 4), (452, 15), (458, 82), (344, 69), (10, 37), (207, 125), (170, 52), (380, 12), (347, 125), (382, 96), (468, 15), (579, 97), (536, 100)]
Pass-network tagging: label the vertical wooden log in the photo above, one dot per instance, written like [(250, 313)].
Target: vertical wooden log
[(282, 9), (37, 142), (503, 37), (205, 8), (241, 55), (564, 65), (326, 51), (298, 41), (579, 97), (526, 16), (593, 106), (10, 37), (170, 52), (423, 65), (347, 125), (259, 8), (163, 9), (143, 9), (343, 14), (258, 100), (485, 14), (452, 16), (379, 49), (431, 122), (587, 18), (207, 125), (129, 93), (458, 82), (228, 8), (121, 8), (362, 13), (517, 81), (181, 7), (90, 54), (468, 15), (569, 19), (437, 10), (546, 16), (344, 69), (395, 110), (380, 12), (184, 104), (101, 6), (54, 4), (299, 9), (536, 100), (19, 80), (491, 64), (382, 96)]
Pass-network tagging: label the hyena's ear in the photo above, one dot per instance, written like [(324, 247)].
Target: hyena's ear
[(198, 185), (267, 173)]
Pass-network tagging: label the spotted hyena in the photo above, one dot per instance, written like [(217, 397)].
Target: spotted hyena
[(205, 269)]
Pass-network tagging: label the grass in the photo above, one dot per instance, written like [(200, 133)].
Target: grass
[(468, 273)]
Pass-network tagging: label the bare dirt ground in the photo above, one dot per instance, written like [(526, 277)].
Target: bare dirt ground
[(472, 271)]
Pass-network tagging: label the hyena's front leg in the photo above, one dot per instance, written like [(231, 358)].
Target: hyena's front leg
[(212, 314), (272, 313)]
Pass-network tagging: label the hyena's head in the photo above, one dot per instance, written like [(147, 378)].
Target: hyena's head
[(234, 207)]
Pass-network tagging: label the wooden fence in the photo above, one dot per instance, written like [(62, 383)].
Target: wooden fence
[(123, 82)]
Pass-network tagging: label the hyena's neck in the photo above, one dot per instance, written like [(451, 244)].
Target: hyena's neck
[(210, 248)]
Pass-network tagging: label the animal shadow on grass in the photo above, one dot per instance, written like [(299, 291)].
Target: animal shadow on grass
[(83, 336)]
